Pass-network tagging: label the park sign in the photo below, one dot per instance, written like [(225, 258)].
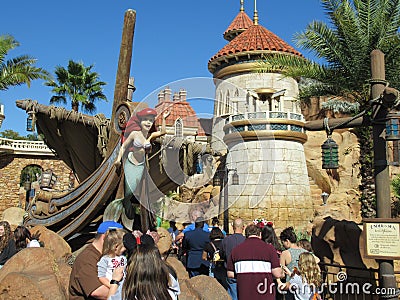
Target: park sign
[(382, 238)]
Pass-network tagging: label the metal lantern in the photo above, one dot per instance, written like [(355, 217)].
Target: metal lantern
[(217, 179), (235, 177), (393, 126), (30, 121), (47, 179), (324, 197), (330, 156)]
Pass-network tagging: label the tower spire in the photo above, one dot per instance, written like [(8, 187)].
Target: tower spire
[(241, 5), (255, 18)]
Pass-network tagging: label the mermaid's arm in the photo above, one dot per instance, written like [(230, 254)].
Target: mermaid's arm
[(163, 130)]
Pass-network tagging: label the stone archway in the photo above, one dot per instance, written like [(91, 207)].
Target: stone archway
[(12, 194), (29, 175)]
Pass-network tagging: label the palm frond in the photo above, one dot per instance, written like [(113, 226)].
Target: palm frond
[(58, 99), (7, 43), (18, 70)]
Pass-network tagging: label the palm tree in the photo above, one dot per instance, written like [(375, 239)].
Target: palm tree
[(79, 84), (18, 70), (356, 28)]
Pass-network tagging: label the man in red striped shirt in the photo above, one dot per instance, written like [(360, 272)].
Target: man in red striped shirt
[(254, 263)]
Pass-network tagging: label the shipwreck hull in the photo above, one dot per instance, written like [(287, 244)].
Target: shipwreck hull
[(79, 140), (69, 213)]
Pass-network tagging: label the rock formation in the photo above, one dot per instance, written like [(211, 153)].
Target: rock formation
[(43, 273)]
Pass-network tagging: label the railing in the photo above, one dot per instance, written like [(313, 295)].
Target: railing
[(267, 120), (25, 147), (266, 115)]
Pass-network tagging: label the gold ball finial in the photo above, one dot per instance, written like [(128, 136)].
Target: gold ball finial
[(255, 18)]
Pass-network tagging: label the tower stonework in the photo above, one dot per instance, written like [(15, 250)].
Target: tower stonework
[(258, 123)]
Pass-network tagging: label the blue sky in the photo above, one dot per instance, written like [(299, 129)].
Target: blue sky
[(173, 42)]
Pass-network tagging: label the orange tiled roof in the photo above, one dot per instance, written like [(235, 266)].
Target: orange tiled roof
[(256, 38), (177, 109), (239, 24)]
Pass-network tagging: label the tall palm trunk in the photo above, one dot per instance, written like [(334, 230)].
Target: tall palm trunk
[(367, 186)]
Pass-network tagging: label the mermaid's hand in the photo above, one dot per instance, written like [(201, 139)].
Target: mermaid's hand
[(166, 114)]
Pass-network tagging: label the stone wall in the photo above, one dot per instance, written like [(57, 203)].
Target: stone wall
[(274, 184), (11, 166)]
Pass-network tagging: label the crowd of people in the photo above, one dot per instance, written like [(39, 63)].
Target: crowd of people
[(251, 263), (12, 242), (122, 265)]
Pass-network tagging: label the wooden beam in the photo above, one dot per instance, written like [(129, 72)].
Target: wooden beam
[(62, 113), (123, 73), (338, 123)]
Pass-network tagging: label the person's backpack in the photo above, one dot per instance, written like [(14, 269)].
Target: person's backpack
[(217, 256)]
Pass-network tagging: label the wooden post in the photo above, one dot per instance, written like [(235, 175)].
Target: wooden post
[(123, 72), (226, 204), (381, 168)]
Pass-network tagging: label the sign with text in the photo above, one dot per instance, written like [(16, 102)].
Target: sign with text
[(382, 238)]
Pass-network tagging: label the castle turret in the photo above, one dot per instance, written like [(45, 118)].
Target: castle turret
[(258, 122), (239, 24)]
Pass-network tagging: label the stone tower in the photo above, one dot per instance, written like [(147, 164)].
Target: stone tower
[(258, 123)]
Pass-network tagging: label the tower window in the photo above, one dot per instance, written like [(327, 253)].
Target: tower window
[(179, 128)]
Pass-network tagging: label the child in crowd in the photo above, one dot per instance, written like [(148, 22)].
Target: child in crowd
[(304, 281), (306, 245), (24, 238), (174, 232), (113, 249), (148, 276)]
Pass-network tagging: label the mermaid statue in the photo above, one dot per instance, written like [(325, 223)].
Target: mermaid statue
[(140, 131)]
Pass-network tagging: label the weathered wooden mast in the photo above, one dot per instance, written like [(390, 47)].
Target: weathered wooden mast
[(123, 74), (120, 109)]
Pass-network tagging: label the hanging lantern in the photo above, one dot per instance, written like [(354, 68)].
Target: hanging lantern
[(235, 177), (324, 197), (330, 156), (30, 121), (217, 179), (393, 126)]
